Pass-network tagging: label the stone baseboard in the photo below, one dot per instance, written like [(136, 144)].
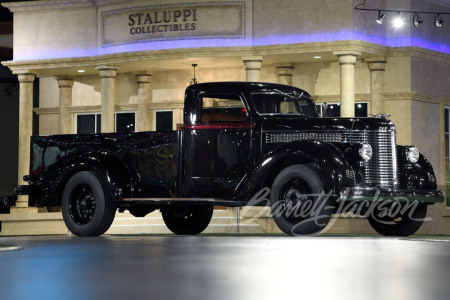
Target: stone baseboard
[(32, 224)]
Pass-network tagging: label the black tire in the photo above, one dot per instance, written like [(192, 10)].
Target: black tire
[(86, 205), (187, 220), (406, 222), (299, 202)]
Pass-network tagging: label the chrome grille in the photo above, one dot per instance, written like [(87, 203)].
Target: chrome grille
[(379, 171)]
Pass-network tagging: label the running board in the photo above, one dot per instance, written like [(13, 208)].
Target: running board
[(182, 201)]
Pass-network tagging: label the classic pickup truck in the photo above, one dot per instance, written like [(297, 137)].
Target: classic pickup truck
[(241, 143)]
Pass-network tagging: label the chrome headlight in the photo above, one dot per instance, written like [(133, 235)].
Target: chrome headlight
[(365, 152), (412, 154)]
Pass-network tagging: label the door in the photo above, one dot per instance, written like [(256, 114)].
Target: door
[(218, 147)]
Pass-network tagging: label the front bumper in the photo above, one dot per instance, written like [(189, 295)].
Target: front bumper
[(380, 194)]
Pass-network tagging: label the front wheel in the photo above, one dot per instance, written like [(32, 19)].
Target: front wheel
[(299, 202), (187, 220), (86, 205), (405, 221)]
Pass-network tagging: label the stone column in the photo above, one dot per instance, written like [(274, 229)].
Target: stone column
[(65, 101), (285, 72), (25, 130), (108, 75), (144, 115), (252, 67), (347, 60), (377, 66)]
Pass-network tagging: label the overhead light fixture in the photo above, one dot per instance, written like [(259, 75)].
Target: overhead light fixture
[(80, 71), (398, 21), (438, 21), (194, 80), (417, 20), (380, 17), (317, 56)]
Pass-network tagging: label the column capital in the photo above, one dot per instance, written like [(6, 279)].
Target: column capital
[(285, 69), (26, 77), (64, 82), (347, 57), (376, 63), (143, 77), (252, 58), (107, 71), (252, 62)]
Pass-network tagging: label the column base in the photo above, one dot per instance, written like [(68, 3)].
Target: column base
[(35, 223)]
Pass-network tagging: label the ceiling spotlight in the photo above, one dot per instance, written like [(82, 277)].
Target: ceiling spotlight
[(438, 21), (398, 22), (417, 20), (380, 17)]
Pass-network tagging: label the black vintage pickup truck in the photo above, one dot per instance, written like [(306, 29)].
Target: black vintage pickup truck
[(241, 144)]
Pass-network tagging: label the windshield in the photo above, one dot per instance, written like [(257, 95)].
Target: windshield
[(283, 103)]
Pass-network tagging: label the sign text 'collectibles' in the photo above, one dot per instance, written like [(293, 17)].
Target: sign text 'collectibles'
[(172, 22)]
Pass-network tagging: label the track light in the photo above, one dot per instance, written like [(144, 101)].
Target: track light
[(380, 17), (438, 21), (398, 21), (417, 20)]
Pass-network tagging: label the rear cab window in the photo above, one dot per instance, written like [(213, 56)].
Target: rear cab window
[(222, 108)]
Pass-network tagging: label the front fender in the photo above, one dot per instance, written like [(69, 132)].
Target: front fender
[(48, 188), (419, 176), (327, 157)]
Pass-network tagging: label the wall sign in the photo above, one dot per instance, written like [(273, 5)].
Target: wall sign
[(207, 20)]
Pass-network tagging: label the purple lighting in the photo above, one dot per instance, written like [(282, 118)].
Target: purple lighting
[(403, 41), (350, 35)]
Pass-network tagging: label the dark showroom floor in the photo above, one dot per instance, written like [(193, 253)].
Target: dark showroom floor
[(224, 267)]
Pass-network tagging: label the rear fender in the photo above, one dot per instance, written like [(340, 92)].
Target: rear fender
[(119, 180), (323, 155)]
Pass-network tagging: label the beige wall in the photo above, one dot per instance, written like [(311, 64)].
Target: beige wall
[(301, 18), (430, 76), (65, 30), (86, 91), (169, 86), (397, 78), (426, 132), (322, 78)]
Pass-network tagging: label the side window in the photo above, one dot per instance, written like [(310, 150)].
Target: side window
[(88, 123), (164, 120), (223, 108), (125, 122)]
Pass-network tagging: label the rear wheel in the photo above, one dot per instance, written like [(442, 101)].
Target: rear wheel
[(187, 220), (403, 223), (86, 205), (298, 200)]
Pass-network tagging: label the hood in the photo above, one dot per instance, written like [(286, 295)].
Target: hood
[(301, 123)]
